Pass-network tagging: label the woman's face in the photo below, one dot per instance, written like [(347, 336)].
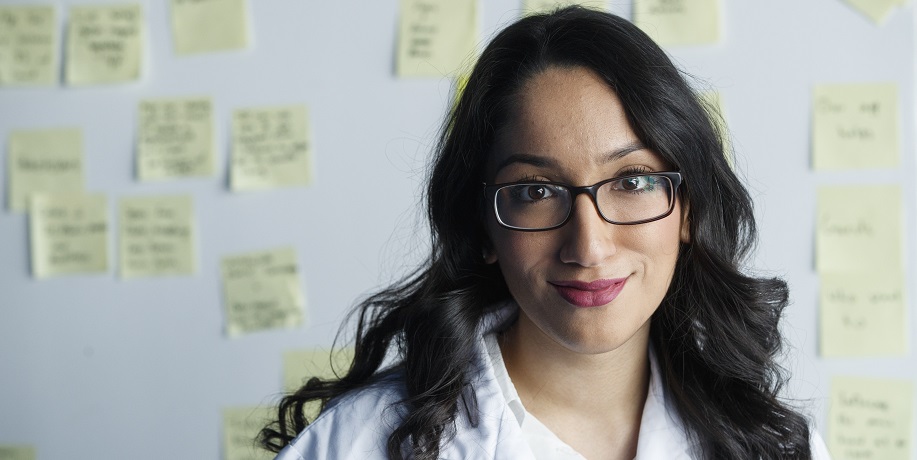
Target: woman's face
[(569, 126)]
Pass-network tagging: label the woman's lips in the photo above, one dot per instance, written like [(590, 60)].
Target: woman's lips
[(592, 294)]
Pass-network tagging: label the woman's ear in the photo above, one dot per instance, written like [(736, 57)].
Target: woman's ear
[(685, 225)]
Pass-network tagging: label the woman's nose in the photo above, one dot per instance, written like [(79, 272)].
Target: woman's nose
[(588, 239)]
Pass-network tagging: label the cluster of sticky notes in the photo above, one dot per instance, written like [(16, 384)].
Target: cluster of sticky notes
[(871, 419), (436, 37), (261, 290), (679, 22)]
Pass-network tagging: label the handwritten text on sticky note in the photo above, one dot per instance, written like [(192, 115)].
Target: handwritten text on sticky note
[(870, 419), (679, 22), (863, 314), (855, 126), (104, 44), (262, 291), (271, 148), (175, 138), (44, 161), (202, 26), (69, 234), (436, 37), (157, 236), (28, 45), (241, 426), (859, 228)]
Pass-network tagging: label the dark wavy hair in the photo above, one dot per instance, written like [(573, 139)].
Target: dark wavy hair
[(716, 332)]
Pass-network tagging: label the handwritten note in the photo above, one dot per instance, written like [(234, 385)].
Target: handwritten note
[(542, 6), (859, 228), (28, 45), (17, 452), (241, 426), (863, 314), (104, 44), (436, 37), (876, 10), (175, 138), (262, 291), (855, 126), (871, 419), (69, 234), (679, 22), (204, 26), (157, 236), (271, 148), (44, 161)]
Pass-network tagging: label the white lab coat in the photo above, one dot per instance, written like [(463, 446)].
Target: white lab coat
[(357, 425)]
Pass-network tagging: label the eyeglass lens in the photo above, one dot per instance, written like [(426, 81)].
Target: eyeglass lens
[(625, 200)]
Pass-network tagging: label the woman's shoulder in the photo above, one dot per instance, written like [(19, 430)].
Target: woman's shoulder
[(355, 425)]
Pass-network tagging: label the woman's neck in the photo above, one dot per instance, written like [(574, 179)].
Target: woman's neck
[(593, 402)]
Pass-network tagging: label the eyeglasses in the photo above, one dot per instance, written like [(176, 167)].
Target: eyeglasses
[(626, 200)]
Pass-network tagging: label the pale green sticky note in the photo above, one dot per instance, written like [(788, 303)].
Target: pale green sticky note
[(301, 365), (679, 22), (44, 161), (157, 236), (436, 37), (876, 10), (28, 45), (542, 6), (270, 148), (712, 101), (870, 419), (863, 314), (241, 426), (69, 234), (859, 228), (104, 44), (17, 452), (262, 291), (175, 138), (855, 126), (204, 26)]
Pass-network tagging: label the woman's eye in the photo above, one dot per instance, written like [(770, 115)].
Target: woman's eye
[(535, 192), (633, 183)]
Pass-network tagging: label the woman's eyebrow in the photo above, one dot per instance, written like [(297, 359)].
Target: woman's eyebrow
[(546, 162)]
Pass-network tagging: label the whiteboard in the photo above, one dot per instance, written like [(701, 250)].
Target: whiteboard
[(95, 366)]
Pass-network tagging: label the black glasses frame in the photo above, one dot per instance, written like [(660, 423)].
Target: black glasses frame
[(673, 177)]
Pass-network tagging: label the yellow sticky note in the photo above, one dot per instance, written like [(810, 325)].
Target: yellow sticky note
[(157, 236), (17, 452), (436, 37), (69, 234), (713, 103), (870, 418), (855, 126), (262, 291), (175, 138), (104, 44), (859, 228), (28, 45), (241, 426), (44, 161), (301, 365), (270, 148), (876, 10), (203, 26), (542, 6), (863, 314), (679, 22)]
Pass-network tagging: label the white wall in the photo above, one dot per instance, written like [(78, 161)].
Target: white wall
[(99, 367)]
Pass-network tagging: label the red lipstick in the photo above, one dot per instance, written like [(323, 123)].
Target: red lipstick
[(592, 294)]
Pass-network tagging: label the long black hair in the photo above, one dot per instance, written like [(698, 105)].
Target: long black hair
[(716, 332)]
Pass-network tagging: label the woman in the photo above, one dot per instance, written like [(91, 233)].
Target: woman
[(583, 296)]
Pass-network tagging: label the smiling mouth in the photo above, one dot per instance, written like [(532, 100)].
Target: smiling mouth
[(592, 294)]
